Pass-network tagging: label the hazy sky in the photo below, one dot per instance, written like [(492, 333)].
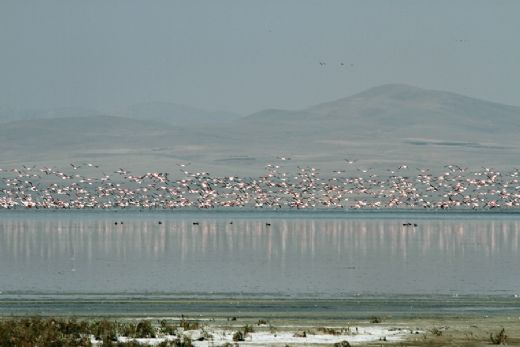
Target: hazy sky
[(244, 56)]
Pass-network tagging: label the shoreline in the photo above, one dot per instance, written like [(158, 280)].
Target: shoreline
[(361, 321), (227, 331), (248, 307)]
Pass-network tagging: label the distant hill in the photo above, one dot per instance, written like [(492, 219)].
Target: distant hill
[(10, 115), (176, 114), (379, 128), (388, 125), (75, 132), (404, 111), (109, 141), (165, 112)]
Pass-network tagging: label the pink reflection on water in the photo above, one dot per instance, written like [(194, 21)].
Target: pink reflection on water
[(30, 240)]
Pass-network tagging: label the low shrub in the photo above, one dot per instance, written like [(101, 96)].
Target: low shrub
[(105, 331), (436, 332), (144, 329), (376, 320), (248, 329), (329, 331), (43, 332), (168, 328), (238, 336), (500, 338), (187, 325), (185, 341), (300, 334)]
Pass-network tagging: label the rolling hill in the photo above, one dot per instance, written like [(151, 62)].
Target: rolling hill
[(381, 128)]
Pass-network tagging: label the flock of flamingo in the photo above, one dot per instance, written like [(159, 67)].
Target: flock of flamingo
[(83, 186)]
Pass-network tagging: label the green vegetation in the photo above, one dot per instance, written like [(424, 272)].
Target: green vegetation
[(59, 332), (238, 336), (329, 331), (38, 332), (375, 320), (500, 338), (342, 344), (248, 329), (436, 332), (145, 329), (70, 332), (300, 334), (241, 334), (167, 328), (105, 331), (187, 325), (184, 342)]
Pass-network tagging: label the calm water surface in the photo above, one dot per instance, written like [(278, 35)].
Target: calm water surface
[(299, 255)]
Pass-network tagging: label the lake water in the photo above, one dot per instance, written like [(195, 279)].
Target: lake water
[(51, 257)]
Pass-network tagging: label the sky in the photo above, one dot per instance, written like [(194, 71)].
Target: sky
[(245, 56)]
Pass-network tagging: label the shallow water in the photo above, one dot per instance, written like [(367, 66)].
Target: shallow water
[(313, 255)]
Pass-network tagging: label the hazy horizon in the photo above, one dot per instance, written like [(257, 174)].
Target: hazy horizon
[(124, 110), (244, 57), (287, 68)]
